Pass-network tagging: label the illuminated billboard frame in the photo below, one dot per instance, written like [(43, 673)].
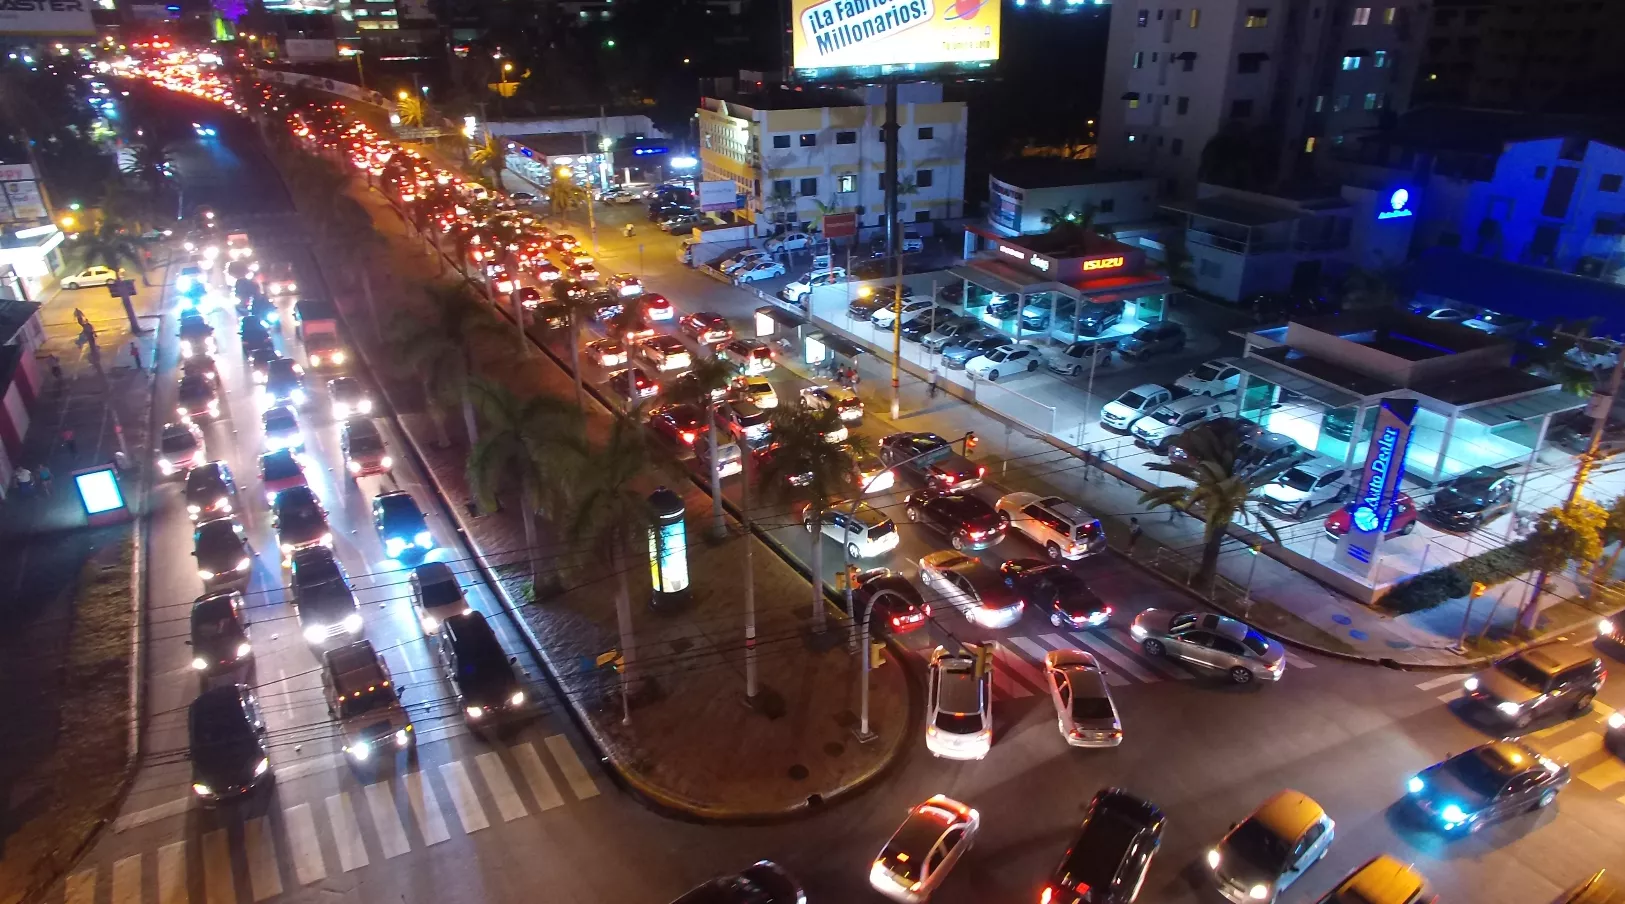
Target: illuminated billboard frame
[(861, 39)]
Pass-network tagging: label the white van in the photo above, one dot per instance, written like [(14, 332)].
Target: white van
[(828, 276)]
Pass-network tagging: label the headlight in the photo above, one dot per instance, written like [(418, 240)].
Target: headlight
[(1508, 707), (315, 360), (401, 736), (214, 408), (474, 712), (199, 663), (205, 574), (340, 410), (1616, 721), (337, 357), (194, 509), (518, 698), (360, 750), (298, 396), (1453, 814), (355, 466), (386, 462), (244, 564), (394, 546), (352, 623), (223, 504), (1138, 632), (364, 406), (243, 649), (1259, 892), (186, 348), (425, 539), (287, 549), (327, 540), (202, 790), (315, 634), (1213, 859), (1605, 626), (263, 767), (429, 624), (166, 466), (1470, 684), (1415, 785)]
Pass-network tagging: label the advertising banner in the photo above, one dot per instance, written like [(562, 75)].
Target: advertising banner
[(719, 195), (1376, 495), (46, 17), (840, 225), (841, 33), (26, 203)]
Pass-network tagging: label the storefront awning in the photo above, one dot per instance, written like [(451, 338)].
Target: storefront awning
[(1529, 408), (1294, 382), (781, 316), (996, 283), (841, 347)]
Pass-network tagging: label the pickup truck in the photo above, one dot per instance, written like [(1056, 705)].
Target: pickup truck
[(362, 696), (316, 324), (928, 459)]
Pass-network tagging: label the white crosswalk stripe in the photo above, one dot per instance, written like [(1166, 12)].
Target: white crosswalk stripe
[(1297, 661), (579, 779), (541, 784), (303, 844), (127, 880), (1441, 681), (346, 832), (1057, 642), (1118, 658), (81, 888), (502, 789), (463, 799), (219, 887), (172, 874), (386, 820), (425, 809), (264, 880)]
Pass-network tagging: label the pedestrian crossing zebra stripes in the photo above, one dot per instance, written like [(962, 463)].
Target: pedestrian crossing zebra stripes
[(256, 855)]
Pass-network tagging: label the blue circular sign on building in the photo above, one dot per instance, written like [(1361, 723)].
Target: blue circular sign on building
[(1399, 199), (1365, 518)]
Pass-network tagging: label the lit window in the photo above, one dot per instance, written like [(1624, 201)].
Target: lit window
[(1351, 62), (1362, 15), (1320, 102), (1144, 17), (1379, 59), (847, 182), (1196, 16), (1132, 138), (1388, 15), (1309, 146), (1372, 101), (1258, 18), (1139, 59), (1134, 103)]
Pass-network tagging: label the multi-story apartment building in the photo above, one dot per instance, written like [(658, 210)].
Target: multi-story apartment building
[(1280, 79), (795, 154), (1531, 55)]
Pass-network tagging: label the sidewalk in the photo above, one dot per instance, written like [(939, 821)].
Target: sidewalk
[(68, 592), (692, 746)]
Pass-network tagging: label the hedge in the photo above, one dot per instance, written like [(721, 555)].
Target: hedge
[(1429, 589)]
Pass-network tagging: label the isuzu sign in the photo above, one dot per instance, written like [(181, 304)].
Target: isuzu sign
[(1376, 495), (46, 17), (1104, 263), (842, 33)]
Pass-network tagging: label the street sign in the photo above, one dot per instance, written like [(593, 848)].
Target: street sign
[(840, 225), (418, 133)]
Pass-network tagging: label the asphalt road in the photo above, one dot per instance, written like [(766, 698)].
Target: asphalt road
[(529, 814)]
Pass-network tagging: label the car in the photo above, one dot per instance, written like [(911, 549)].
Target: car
[(90, 276), (893, 602), (1490, 783), (529, 297), (679, 423), (1384, 879), (300, 521), (259, 363), (196, 334), (789, 241), (1108, 859), (665, 353), (1035, 315), (191, 282), (1208, 641), (1551, 679), (950, 332), (180, 448), (706, 327), (959, 353), (219, 637), (483, 675), (279, 279), (210, 490), (625, 285), (1057, 591), (798, 289), (632, 383), (823, 397), (582, 273), (201, 364), (349, 397), (749, 356), (436, 595), (1153, 339), (282, 429), (864, 306), (1062, 528), (254, 337), (280, 470), (759, 271), (657, 307), (1215, 378), (1077, 357), (1266, 452), (763, 882), (1091, 322), (522, 197), (322, 598), (920, 855), (401, 525), (884, 316), (1400, 524), (607, 353), (364, 449), (873, 475), (546, 271), (959, 703), (967, 521), (929, 459), (1497, 324), (1123, 412), (863, 531), (741, 260), (912, 242), (1304, 486), (683, 221), (1084, 709), (1469, 501), (284, 384), (1159, 428), (745, 421), (1592, 355), (920, 325), (970, 586), (222, 551), (227, 744), (756, 390), (729, 460), (203, 131), (1262, 855)]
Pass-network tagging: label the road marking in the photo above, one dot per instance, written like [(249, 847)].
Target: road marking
[(463, 799), (264, 879), (127, 880), (1606, 774), (1159, 664), (1298, 661), (1576, 748), (541, 784), (502, 789), (1100, 646), (1432, 683), (1452, 696), (425, 808), (386, 819), (1600, 711), (1004, 679), (172, 874), (81, 888), (1060, 643), (346, 833), (1550, 730), (152, 814), (219, 887), (576, 774), (306, 847), (1024, 669)]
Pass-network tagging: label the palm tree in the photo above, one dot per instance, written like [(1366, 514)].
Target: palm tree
[(412, 110), (806, 466), (492, 154), (149, 161), (528, 441), (577, 303), (346, 227), (437, 345), (1074, 224), (707, 378), (782, 199), (1220, 486), (566, 195), (111, 247)]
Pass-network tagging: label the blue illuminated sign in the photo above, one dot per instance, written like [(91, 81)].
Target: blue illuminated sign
[(1374, 511), (645, 152), (1398, 206)]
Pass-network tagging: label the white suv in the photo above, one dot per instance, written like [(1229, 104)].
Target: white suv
[(1215, 378), (1156, 429), (1064, 529), (796, 291), (1307, 485), (1121, 413), (865, 533)]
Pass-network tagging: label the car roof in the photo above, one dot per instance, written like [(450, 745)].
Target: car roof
[(1506, 756), (1086, 682), (1382, 880), (433, 573), (1188, 403), (1071, 511), (1149, 389), (1315, 467), (1554, 658), (1288, 814)]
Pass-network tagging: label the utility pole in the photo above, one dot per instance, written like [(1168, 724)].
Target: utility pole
[(1601, 405), (891, 131)]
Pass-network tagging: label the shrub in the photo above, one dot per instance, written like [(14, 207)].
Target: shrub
[(1429, 589)]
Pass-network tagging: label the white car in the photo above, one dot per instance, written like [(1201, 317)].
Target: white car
[(1003, 361), (790, 241), (846, 403), (803, 285), (436, 595), (757, 390), (917, 859), (1450, 315), (759, 270), (742, 260), (1078, 357), (865, 533), (1121, 413), (1157, 429), (1063, 528), (1084, 709), (1214, 378), (959, 704), (90, 276), (1307, 485), (885, 315)]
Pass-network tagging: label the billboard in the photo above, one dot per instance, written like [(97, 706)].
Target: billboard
[(847, 33), (46, 17), (1376, 495), (719, 195)]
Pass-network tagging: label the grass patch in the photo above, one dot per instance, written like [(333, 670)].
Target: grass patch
[(74, 791)]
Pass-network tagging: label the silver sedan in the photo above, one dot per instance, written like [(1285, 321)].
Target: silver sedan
[(1084, 709), (1210, 641)]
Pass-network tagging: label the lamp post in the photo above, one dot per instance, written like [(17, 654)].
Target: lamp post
[(360, 76)]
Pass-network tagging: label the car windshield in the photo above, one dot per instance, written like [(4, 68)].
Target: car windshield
[(1477, 773), (1298, 479), (1091, 707), (1475, 483), (193, 386), (367, 442), (217, 537), (179, 442), (280, 420), (1206, 372), (280, 467), (1522, 671), (1256, 642), (441, 593), (1257, 845), (300, 517), (1098, 852), (1165, 415), (1132, 399), (400, 508), (1086, 531), (352, 706), (751, 420), (999, 354), (212, 618)]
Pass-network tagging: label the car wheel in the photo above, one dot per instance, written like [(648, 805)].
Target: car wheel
[(1408, 529), (957, 541), (1546, 799), (913, 514), (1584, 703), (1055, 619), (1053, 551), (852, 551), (993, 376), (1004, 519), (1152, 647), (1241, 675), (807, 523), (1032, 366)]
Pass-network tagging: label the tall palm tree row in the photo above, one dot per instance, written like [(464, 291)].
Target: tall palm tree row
[(708, 377), (577, 306), (438, 345)]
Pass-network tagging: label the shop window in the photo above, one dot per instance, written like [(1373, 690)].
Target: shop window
[(1145, 17), (781, 141), (809, 140), (1139, 59), (809, 187), (846, 137)]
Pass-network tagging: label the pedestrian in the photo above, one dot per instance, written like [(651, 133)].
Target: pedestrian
[(79, 316), (25, 483), (45, 478), (121, 462), (135, 355), (69, 443), (933, 383), (56, 368), (855, 378), (1133, 534)]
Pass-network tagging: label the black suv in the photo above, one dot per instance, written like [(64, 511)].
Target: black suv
[(1108, 860), (968, 522), (229, 759), (210, 490), (1471, 500), (929, 459), (222, 552), (1098, 318), (1057, 590), (1154, 339), (479, 668), (219, 633), (1551, 679)]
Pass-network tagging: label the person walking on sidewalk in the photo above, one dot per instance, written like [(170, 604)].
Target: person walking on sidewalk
[(25, 483), (69, 443), (79, 317), (1134, 533), (45, 478), (135, 355), (933, 390), (56, 368)]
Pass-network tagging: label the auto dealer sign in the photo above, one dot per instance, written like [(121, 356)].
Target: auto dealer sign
[(46, 17)]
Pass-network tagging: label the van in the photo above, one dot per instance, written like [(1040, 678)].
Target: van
[(804, 284), (1155, 430)]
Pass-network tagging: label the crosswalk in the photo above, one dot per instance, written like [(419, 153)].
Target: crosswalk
[(255, 854), (1018, 669)]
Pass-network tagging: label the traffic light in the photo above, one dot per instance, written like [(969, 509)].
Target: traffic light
[(877, 651)]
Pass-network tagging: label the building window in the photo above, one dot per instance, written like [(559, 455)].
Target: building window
[(1606, 226), (1609, 182), (922, 178), (1320, 102), (1110, 204), (1350, 62), (846, 137), (1209, 268), (809, 187), (1373, 101), (781, 188), (1196, 16), (1183, 106), (1340, 104), (880, 181), (1362, 15), (1258, 18), (1189, 59), (1144, 17), (1248, 63), (1139, 59), (809, 140), (1133, 138), (846, 182), (1241, 109), (926, 133), (1540, 172), (1379, 59), (1388, 15), (1134, 103), (1309, 146), (781, 141), (922, 216), (1177, 146)]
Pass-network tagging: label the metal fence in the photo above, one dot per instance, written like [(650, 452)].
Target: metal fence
[(1024, 410)]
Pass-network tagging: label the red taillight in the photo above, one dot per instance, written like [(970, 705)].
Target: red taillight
[(1107, 610), (981, 471), (896, 622), (688, 437), (1047, 895), (949, 479)]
